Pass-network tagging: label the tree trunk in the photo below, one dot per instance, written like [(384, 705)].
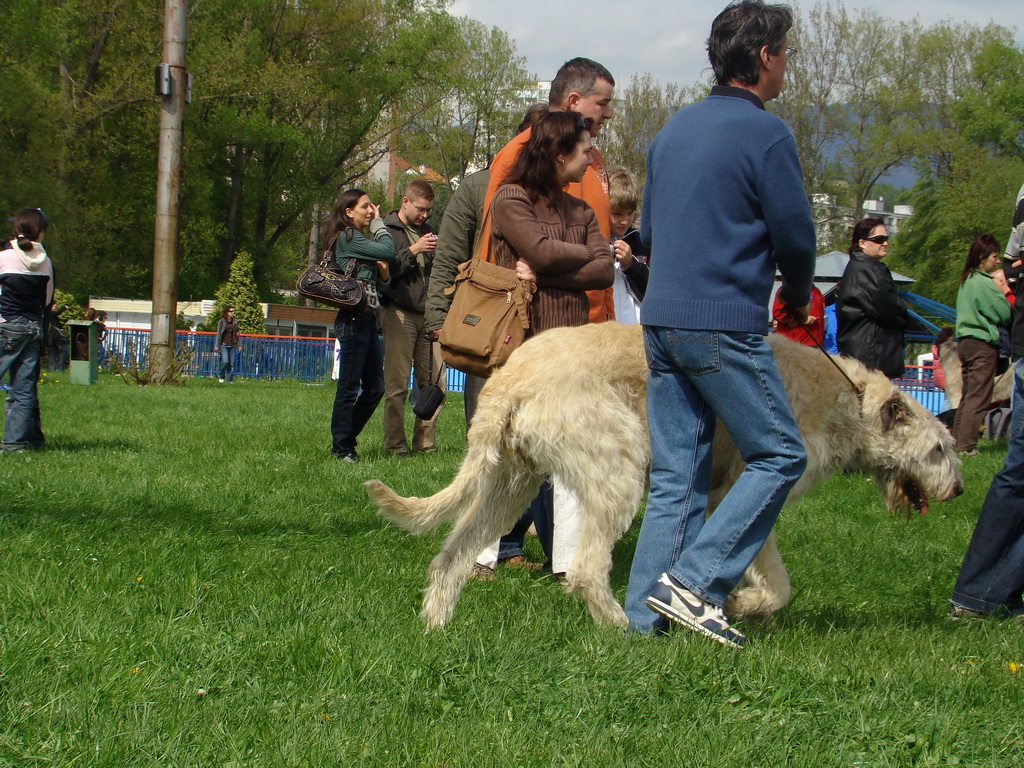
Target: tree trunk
[(314, 244), (227, 251)]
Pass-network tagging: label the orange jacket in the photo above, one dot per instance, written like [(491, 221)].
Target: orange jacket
[(593, 190)]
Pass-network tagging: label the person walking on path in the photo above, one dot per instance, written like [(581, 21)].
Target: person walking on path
[(228, 343)]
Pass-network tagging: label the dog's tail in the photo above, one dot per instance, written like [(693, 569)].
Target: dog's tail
[(420, 515), (414, 514)]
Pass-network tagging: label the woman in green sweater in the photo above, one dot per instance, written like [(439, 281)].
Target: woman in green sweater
[(981, 308), (361, 357)]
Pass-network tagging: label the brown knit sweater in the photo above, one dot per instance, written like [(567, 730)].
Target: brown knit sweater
[(561, 240)]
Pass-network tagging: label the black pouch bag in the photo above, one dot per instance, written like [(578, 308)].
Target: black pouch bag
[(430, 398)]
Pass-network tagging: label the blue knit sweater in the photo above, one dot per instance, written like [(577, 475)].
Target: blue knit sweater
[(724, 205)]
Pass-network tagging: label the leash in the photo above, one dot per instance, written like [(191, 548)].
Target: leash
[(819, 345)]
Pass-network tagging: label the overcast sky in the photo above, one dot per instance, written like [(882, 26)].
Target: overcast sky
[(666, 37)]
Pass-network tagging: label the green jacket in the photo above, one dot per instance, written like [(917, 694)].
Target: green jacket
[(353, 244), (981, 308)]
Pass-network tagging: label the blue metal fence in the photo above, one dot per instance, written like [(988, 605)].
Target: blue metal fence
[(261, 357), (312, 359), (919, 382)]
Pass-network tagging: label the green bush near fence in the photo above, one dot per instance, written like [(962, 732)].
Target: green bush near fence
[(187, 578)]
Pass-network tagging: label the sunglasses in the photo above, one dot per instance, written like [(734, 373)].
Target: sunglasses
[(877, 239)]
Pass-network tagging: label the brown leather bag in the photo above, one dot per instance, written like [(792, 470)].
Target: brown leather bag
[(488, 317)]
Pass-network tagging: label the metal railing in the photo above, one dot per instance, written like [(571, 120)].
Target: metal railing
[(261, 357), (919, 382), (312, 359)]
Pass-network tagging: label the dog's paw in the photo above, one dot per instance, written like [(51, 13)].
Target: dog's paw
[(752, 603)]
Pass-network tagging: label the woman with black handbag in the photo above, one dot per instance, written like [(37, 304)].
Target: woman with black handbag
[(360, 356)]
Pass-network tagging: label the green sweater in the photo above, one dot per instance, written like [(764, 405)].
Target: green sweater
[(353, 244), (981, 308)]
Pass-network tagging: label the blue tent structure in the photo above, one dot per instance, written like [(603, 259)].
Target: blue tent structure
[(928, 317)]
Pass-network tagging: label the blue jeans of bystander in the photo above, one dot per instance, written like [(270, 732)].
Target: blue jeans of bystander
[(695, 378), (992, 575), (228, 352), (21, 344)]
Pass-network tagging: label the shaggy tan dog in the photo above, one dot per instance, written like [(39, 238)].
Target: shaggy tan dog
[(949, 357), (571, 402)]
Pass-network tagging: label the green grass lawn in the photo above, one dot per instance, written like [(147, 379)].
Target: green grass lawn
[(179, 540)]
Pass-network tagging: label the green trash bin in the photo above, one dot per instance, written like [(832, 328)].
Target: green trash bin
[(85, 346)]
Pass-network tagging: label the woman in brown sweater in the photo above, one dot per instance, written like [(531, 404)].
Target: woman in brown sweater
[(550, 237)]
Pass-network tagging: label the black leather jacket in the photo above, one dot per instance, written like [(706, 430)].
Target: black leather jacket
[(871, 315)]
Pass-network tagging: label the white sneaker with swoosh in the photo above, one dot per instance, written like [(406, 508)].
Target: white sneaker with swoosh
[(675, 602)]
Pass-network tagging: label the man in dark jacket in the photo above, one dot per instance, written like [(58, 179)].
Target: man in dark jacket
[(455, 243), (406, 346), (870, 313)]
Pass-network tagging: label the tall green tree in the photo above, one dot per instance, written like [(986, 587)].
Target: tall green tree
[(459, 121), (646, 105), (291, 102), (970, 180), (240, 292)]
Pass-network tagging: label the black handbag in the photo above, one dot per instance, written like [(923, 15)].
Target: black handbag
[(338, 289), (431, 397)]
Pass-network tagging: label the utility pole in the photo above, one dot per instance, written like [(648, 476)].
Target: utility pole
[(171, 85)]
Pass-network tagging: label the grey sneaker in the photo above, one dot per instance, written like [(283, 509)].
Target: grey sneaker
[(957, 612), (675, 602)]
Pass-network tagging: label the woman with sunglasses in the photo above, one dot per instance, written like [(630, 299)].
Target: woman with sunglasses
[(981, 309), (870, 312)]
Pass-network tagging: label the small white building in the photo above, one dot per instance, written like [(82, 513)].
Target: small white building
[(280, 319)]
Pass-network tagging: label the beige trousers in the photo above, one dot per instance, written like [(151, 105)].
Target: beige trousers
[(406, 348)]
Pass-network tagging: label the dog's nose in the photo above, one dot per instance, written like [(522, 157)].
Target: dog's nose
[(957, 491)]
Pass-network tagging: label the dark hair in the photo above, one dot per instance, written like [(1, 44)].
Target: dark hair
[(982, 246), (579, 75), (419, 189), (29, 226), (227, 309), (530, 117), (535, 167), (944, 335), (862, 230), (739, 33), (339, 221)]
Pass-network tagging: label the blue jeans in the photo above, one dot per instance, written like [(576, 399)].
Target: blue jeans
[(360, 379), (227, 361), (992, 575), (21, 345), (695, 378)]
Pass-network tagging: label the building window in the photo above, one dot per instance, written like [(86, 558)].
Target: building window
[(315, 331)]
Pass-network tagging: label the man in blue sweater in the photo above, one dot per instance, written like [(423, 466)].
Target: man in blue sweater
[(723, 206)]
